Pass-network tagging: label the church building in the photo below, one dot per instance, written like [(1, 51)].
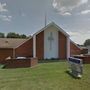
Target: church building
[(51, 42)]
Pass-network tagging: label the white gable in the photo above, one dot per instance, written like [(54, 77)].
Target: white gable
[(52, 24)]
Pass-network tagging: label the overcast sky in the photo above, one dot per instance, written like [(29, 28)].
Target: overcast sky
[(28, 16)]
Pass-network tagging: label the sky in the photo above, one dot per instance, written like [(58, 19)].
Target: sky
[(28, 16)]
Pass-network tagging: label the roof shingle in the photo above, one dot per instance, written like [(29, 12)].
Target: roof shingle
[(10, 42)]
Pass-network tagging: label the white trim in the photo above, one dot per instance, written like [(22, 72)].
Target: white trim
[(68, 47), (34, 46)]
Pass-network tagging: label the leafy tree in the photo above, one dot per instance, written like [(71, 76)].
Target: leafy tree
[(87, 42), (2, 35), (23, 36), (13, 35)]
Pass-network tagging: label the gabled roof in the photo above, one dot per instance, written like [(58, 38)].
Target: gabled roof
[(10, 42), (51, 24), (55, 25), (75, 44), (15, 43)]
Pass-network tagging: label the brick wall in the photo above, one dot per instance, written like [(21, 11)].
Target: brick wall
[(25, 50), (62, 46), (33, 61), (74, 50), (40, 45), (5, 52), (19, 63), (85, 58)]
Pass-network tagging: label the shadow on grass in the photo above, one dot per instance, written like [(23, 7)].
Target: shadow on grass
[(70, 74)]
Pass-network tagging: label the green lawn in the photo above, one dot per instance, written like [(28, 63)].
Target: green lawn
[(44, 76)]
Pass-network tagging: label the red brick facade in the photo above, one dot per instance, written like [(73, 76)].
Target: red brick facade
[(62, 46), (5, 52), (40, 45), (25, 50), (74, 50)]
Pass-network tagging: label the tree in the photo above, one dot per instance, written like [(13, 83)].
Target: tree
[(13, 35), (23, 36), (87, 42), (2, 35)]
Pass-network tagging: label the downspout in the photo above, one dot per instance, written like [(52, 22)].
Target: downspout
[(13, 53), (34, 46), (68, 47)]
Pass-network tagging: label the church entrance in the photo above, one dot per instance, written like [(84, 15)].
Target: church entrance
[(50, 44)]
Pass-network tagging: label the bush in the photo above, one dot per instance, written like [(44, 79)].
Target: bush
[(2, 66)]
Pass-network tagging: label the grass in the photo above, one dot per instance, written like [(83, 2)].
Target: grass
[(44, 76)]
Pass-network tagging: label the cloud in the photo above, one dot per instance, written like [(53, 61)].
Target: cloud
[(23, 14), (2, 7), (85, 12), (75, 35), (5, 18), (66, 14), (63, 6)]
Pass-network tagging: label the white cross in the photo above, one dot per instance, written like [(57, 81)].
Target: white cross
[(50, 38)]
